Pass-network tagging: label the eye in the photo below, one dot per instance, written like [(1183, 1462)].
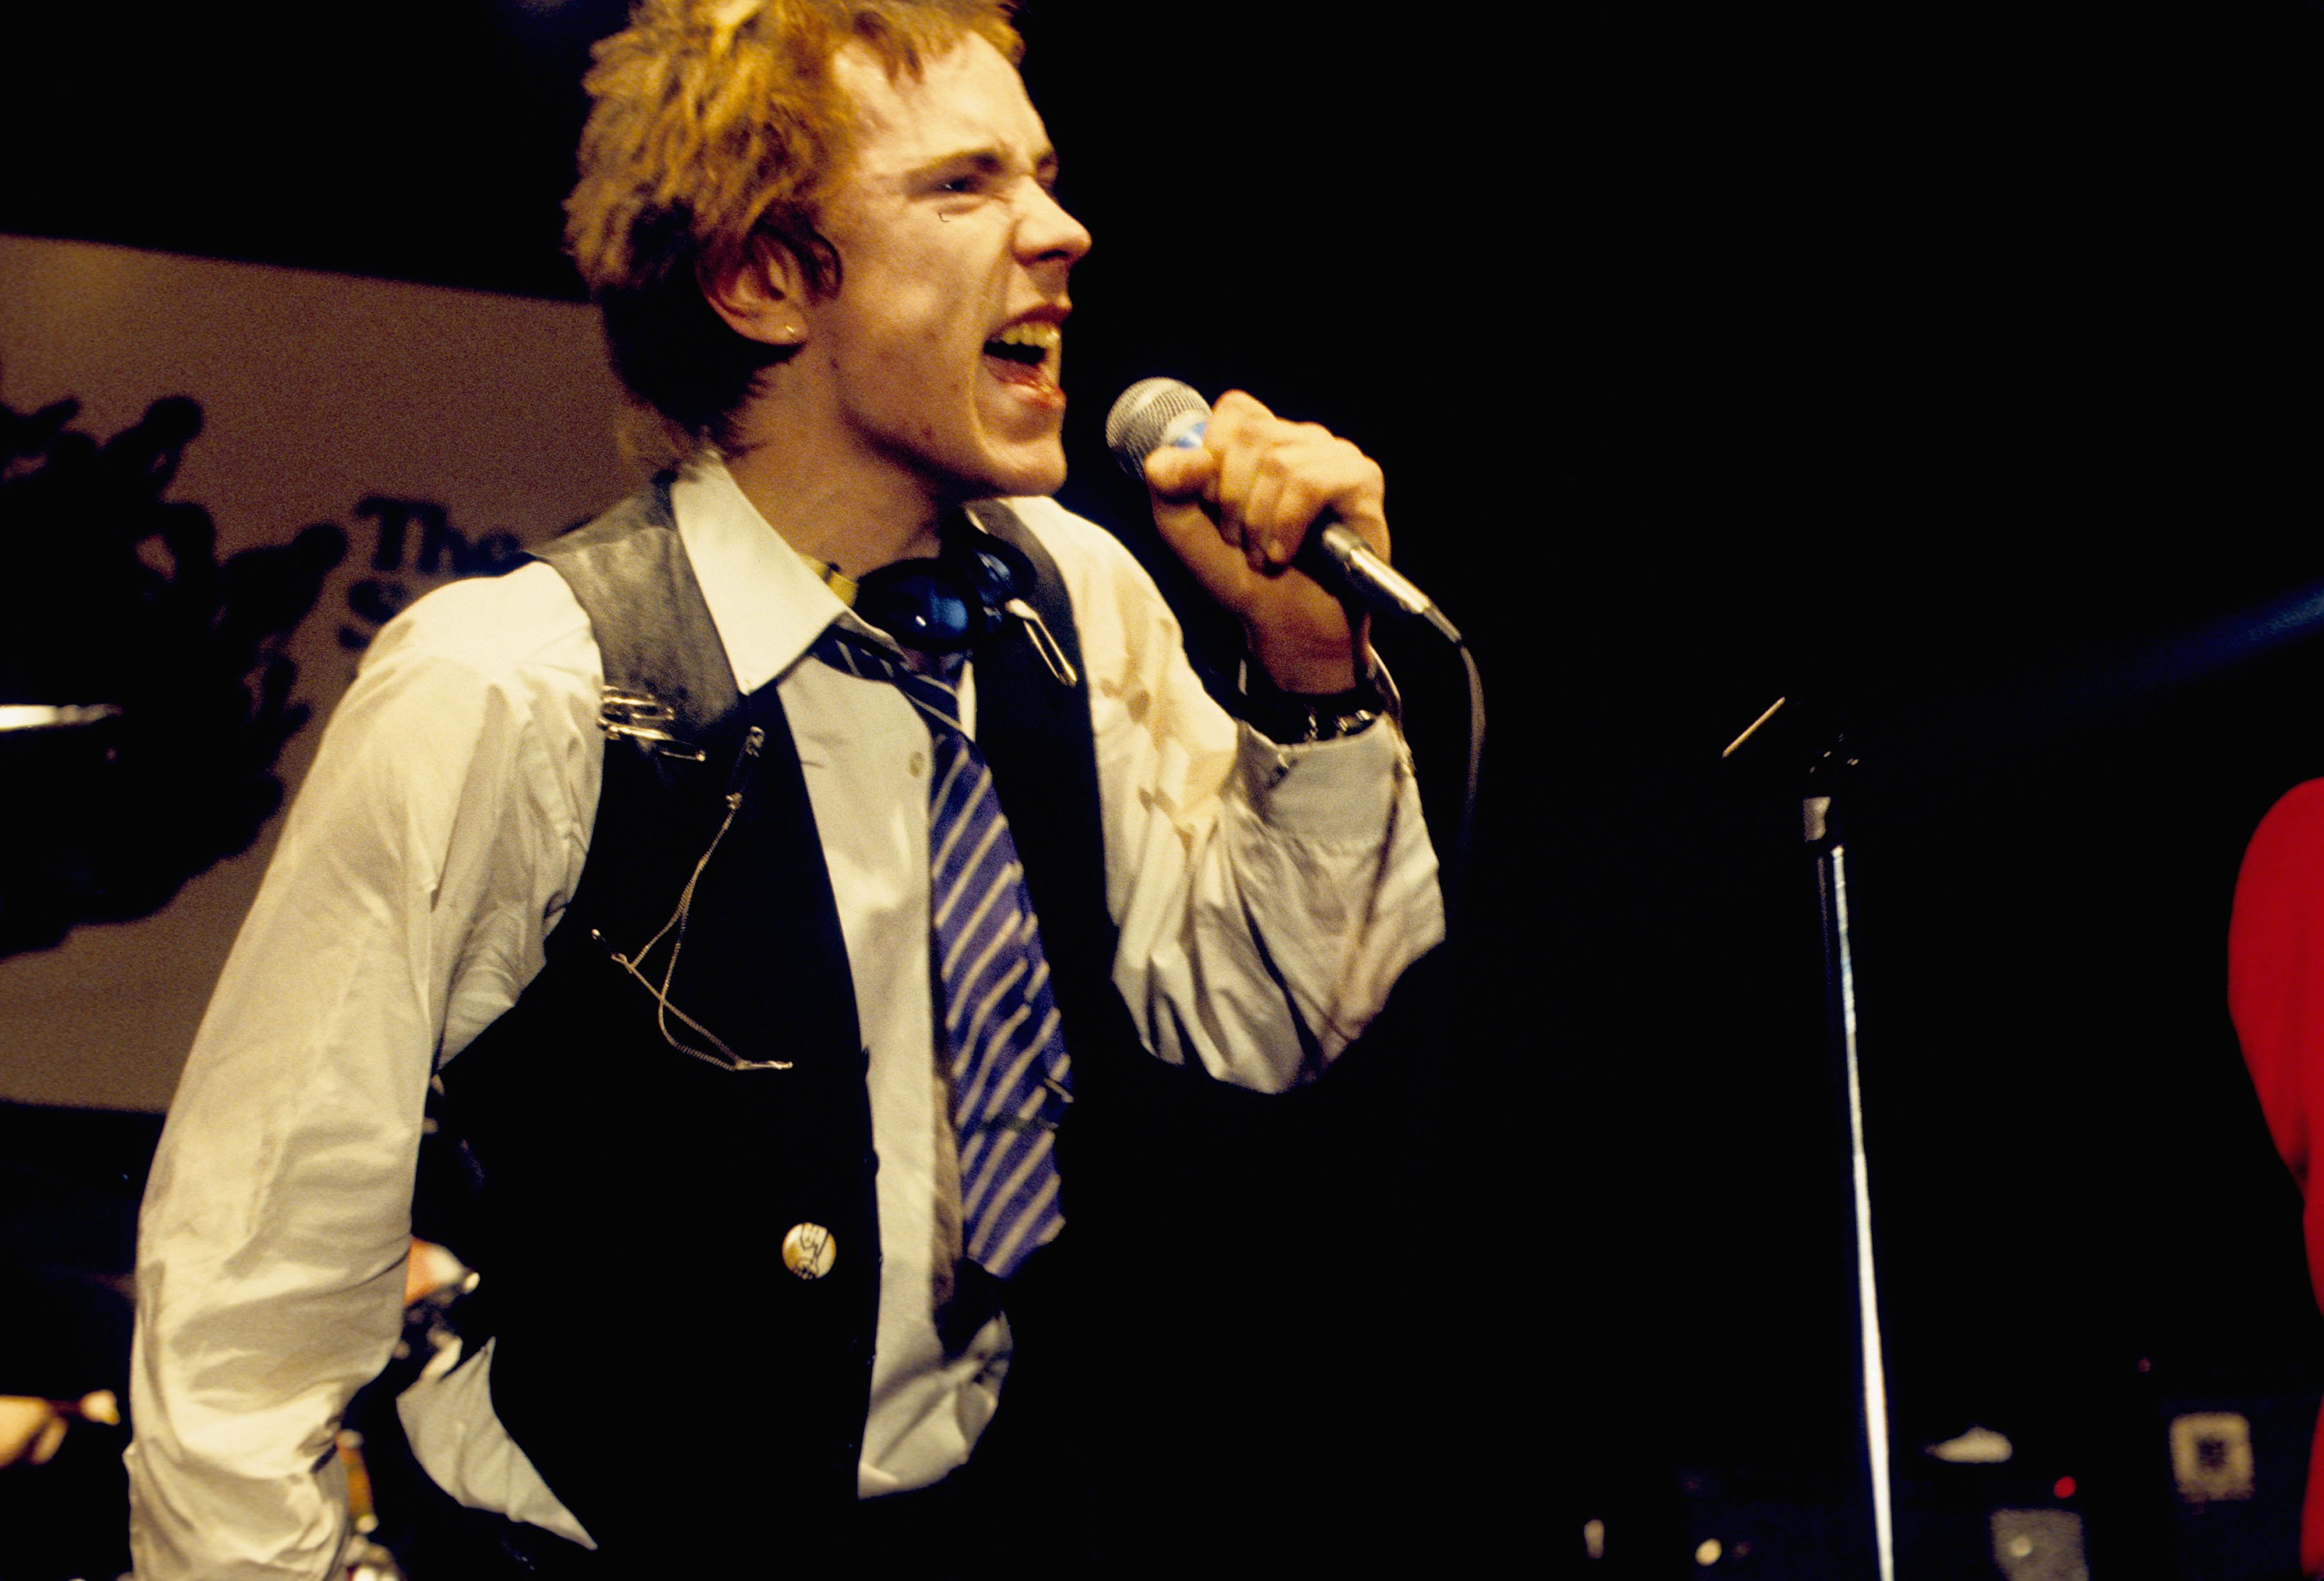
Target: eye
[(970, 180)]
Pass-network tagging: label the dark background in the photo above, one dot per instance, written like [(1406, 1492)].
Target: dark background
[(1951, 372)]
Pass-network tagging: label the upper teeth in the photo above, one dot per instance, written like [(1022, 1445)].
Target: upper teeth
[(1044, 336)]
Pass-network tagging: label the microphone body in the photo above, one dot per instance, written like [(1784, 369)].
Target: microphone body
[(1155, 414)]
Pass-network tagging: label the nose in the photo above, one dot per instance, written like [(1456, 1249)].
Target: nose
[(1047, 234)]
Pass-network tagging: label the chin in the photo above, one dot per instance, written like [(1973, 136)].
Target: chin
[(1047, 481), (1035, 471)]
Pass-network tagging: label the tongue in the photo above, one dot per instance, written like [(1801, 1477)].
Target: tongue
[(1013, 371)]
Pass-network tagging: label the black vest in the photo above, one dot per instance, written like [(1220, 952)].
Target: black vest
[(738, 1433)]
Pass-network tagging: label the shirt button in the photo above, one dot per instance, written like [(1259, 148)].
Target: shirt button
[(919, 764), (808, 1250)]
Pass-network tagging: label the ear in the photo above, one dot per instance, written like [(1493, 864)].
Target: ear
[(761, 294)]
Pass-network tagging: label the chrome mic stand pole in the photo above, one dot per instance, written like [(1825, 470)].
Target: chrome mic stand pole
[(1822, 832), (1820, 828)]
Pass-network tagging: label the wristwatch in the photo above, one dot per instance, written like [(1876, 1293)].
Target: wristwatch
[(1304, 718)]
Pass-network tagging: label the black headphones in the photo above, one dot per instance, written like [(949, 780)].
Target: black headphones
[(950, 603)]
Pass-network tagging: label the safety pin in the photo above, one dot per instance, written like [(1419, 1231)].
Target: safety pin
[(642, 717), (1036, 632), (725, 1058)]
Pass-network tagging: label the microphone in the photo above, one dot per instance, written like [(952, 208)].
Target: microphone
[(1154, 414)]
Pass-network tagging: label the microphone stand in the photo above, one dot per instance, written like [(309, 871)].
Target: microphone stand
[(1820, 828), (1821, 832)]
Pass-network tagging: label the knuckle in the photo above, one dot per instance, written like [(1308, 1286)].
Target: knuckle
[(1242, 408)]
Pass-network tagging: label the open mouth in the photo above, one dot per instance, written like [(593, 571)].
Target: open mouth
[(1027, 354)]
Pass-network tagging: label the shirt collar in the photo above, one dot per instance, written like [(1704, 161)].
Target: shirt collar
[(768, 604)]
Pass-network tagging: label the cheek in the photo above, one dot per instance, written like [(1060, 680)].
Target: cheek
[(927, 328)]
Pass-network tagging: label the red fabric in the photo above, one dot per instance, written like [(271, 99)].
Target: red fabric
[(2275, 992)]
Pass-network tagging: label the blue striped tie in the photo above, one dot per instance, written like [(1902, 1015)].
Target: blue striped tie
[(1011, 1076)]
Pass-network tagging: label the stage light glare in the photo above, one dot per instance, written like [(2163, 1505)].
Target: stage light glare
[(1980, 1445), (54, 717), (1706, 1553)]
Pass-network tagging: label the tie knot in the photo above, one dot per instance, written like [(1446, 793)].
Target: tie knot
[(934, 690)]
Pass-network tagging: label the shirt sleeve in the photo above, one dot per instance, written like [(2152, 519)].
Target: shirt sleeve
[(442, 824), (1269, 897)]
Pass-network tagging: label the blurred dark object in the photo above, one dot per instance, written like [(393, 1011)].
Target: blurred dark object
[(116, 606), (68, 1518), (71, 1180), (443, 1328)]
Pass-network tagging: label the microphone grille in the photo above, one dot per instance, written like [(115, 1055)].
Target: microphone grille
[(1141, 420)]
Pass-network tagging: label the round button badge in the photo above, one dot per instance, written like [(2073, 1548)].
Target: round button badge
[(808, 1251)]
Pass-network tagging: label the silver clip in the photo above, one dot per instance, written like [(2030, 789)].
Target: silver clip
[(643, 717), (1038, 631)]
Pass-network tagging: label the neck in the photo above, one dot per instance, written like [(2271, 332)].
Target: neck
[(832, 503)]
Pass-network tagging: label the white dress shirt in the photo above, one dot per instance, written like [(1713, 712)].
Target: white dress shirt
[(437, 841)]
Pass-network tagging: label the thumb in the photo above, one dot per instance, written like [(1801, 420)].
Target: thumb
[(1176, 473)]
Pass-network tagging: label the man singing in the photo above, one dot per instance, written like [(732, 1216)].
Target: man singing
[(678, 861)]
